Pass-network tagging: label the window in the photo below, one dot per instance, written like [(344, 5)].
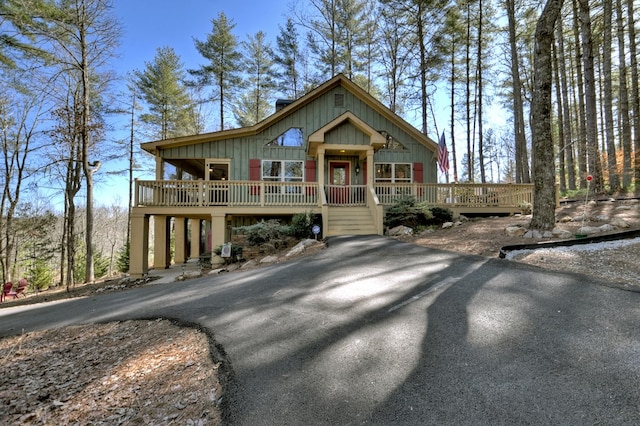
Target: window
[(283, 171), (391, 142), (393, 172), (292, 137)]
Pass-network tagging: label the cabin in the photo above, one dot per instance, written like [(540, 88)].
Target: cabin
[(337, 152)]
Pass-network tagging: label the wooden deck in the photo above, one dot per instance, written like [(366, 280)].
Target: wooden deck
[(461, 198)]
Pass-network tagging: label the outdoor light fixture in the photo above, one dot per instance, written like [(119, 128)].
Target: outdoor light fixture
[(357, 168)]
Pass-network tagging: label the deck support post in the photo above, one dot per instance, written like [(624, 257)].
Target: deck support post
[(194, 252), (139, 246), (181, 239), (161, 243), (218, 230)]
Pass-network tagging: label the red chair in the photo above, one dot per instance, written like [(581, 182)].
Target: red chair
[(22, 286), (7, 291)]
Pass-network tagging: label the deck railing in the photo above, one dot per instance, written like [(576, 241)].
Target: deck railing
[(458, 194), (180, 193)]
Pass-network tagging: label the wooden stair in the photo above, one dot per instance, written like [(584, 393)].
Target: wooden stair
[(350, 221)]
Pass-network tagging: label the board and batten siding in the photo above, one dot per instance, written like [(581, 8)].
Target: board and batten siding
[(310, 117)]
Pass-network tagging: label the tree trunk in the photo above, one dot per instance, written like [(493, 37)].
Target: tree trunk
[(567, 142), (543, 164), (591, 110), (612, 167), (483, 176), (623, 102), (635, 91), (521, 156), (561, 137), (582, 131)]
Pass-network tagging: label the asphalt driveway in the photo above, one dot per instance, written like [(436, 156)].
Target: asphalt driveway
[(375, 331)]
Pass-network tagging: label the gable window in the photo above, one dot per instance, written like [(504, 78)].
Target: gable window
[(391, 142), (393, 172), (292, 137)]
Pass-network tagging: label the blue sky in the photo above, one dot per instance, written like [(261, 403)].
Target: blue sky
[(150, 24)]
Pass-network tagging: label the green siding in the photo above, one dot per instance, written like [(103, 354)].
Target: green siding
[(310, 118)]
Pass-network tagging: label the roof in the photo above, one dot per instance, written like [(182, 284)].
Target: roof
[(338, 80)]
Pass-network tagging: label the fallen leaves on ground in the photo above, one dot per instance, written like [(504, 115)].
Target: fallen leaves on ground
[(133, 372)]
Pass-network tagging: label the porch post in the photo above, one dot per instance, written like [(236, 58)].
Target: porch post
[(195, 238), (161, 253), (181, 239), (159, 168), (320, 167), (218, 230), (370, 168), (139, 246)]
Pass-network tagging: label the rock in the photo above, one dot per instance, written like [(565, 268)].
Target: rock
[(606, 227), (400, 230), (427, 231), (602, 218), (565, 219), (233, 267), (463, 218), (533, 233), (515, 231), (547, 234), (216, 271), (249, 264), (190, 274), (619, 223), (623, 208), (588, 230), (301, 247), (447, 225), (457, 223), (561, 233), (269, 259)]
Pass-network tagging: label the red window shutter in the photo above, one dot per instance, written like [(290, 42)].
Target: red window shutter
[(254, 174), (418, 174), (310, 175)]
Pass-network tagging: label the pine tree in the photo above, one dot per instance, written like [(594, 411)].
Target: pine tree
[(255, 102), (286, 58), (162, 87), (223, 69)]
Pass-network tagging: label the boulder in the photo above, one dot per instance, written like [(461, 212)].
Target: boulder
[(515, 231), (249, 264), (588, 230), (565, 219), (618, 222), (447, 225), (602, 218), (269, 259), (561, 233), (533, 233), (399, 230), (606, 227)]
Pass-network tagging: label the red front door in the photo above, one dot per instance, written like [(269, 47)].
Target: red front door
[(339, 172)]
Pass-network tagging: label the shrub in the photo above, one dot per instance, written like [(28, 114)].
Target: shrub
[(236, 251), (40, 275), (122, 258), (269, 234), (302, 225), (406, 212)]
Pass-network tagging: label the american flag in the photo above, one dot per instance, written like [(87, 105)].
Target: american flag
[(443, 155)]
